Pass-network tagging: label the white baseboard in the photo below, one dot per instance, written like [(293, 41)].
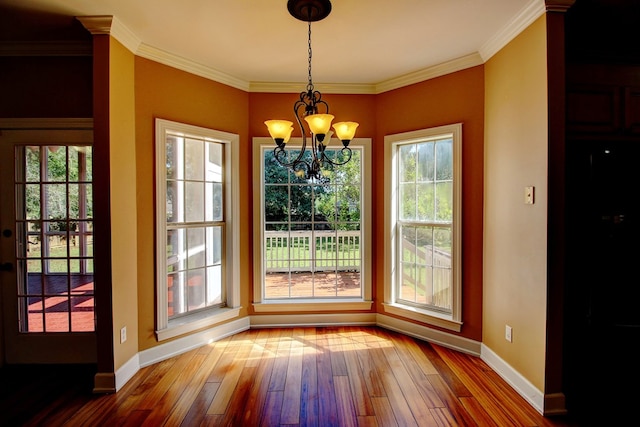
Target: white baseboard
[(127, 371), (189, 342), (444, 339), (520, 384), (305, 320)]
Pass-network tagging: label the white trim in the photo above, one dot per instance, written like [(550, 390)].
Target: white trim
[(520, 384), (426, 317), (171, 328), (454, 321), (175, 61), (127, 371), (445, 339), (311, 320), (187, 324), (182, 345), (429, 73), (111, 25), (308, 305), (293, 87), (531, 12)]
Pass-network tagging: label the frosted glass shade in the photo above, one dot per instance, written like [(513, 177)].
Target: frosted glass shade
[(279, 129), (319, 123), (345, 131)]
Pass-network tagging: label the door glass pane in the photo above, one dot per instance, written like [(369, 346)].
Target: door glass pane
[(54, 243)]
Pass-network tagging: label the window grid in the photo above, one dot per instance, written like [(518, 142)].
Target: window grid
[(424, 204), (312, 232), (194, 224)]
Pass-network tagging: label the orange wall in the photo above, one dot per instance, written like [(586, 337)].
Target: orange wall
[(454, 98), (167, 93)]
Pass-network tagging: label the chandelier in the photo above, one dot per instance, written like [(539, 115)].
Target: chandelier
[(314, 111)]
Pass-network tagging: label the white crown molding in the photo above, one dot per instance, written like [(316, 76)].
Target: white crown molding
[(445, 68), (166, 58), (108, 24), (111, 25), (531, 12)]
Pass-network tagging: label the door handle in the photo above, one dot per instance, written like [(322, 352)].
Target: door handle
[(6, 232), (7, 266)]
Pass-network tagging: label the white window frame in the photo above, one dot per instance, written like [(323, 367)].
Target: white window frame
[(261, 305), (422, 314), (168, 328)]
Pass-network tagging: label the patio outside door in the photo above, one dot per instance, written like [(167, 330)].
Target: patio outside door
[(46, 246)]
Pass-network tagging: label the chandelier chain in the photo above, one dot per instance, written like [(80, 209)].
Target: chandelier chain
[(310, 85)]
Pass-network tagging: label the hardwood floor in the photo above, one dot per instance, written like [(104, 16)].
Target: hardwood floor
[(333, 376)]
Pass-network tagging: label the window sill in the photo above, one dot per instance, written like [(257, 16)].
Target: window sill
[(311, 306), (423, 316), (196, 321)]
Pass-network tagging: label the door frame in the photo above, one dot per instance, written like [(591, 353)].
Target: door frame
[(28, 348)]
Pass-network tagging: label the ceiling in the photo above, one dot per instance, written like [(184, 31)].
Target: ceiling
[(254, 42)]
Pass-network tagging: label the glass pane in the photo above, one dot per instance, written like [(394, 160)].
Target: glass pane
[(214, 285), (194, 159), (214, 202), (442, 247), (348, 203), (32, 201), (57, 266), (74, 164), (177, 299), (196, 289), (273, 172), (195, 248), (407, 163), (32, 164), (444, 201), (85, 201), (214, 245), (55, 200), (175, 206), (425, 201), (82, 314), (407, 289), (300, 204), (214, 162), (172, 162), (408, 244), (56, 163), (426, 164), (194, 202), (444, 160), (424, 245), (34, 321), (56, 315), (176, 250), (276, 203), (407, 208), (88, 152), (73, 201)]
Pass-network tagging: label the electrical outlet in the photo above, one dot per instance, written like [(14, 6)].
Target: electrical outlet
[(508, 333), (123, 334)]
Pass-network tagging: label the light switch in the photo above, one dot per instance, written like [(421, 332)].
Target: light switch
[(528, 195)]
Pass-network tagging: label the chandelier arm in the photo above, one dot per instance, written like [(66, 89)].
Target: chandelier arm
[(343, 150)]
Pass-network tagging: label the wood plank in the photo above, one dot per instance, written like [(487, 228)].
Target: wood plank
[(293, 384), (375, 388), (272, 409), (326, 393), (279, 375), (309, 381), (345, 405), (384, 412), (338, 364), (233, 370), (258, 393), (198, 409), (358, 384), (451, 401), (399, 405), (234, 414)]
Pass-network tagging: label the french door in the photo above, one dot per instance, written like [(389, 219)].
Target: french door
[(46, 250)]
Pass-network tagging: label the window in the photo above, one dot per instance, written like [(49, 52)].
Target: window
[(311, 239), (422, 208), (196, 253)]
